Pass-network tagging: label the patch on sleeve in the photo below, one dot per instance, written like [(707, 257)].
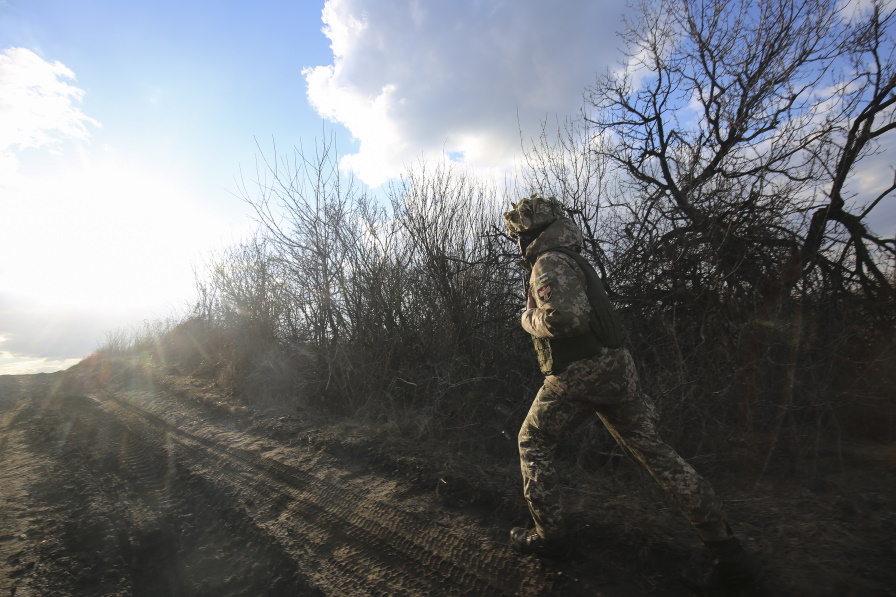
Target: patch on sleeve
[(544, 287)]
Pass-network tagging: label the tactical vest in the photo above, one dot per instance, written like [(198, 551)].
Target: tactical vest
[(604, 327)]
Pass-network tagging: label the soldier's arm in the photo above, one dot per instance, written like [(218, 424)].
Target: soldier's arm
[(561, 303)]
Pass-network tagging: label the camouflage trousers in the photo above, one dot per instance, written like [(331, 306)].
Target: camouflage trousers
[(608, 385)]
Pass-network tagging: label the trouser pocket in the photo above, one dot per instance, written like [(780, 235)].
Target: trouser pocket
[(608, 378)]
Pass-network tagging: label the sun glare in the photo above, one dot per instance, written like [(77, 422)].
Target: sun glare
[(105, 235)]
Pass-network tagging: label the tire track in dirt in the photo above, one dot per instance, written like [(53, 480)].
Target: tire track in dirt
[(345, 542), (15, 515), (111, 516)]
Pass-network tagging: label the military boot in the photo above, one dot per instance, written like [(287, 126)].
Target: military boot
[(733, 572), (530, 542)]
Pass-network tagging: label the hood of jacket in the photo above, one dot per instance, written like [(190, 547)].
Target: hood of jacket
[(562, 232)]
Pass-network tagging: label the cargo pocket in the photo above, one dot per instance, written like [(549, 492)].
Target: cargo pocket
[(608, 378)]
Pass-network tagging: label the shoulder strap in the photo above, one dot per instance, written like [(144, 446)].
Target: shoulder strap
[(605, 321)]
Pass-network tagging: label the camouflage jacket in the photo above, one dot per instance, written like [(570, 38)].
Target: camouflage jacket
[(557, 284)]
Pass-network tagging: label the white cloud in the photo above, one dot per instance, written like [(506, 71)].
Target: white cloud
[(854, 10), (11, 364), (37, 106), (37, 339), (411, 79), (868, 180)]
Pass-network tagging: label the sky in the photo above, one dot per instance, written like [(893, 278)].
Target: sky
[(125, 126)]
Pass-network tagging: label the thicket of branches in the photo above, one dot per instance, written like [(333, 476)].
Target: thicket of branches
[(738, 133), (725, 180), (404, 307)]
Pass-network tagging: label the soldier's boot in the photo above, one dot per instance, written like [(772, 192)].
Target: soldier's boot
[(733, 572), (530, 542)]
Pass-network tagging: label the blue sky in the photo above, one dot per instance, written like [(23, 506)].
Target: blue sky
[(124, 124)]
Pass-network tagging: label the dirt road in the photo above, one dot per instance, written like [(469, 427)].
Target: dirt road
[(116, 491), (120, 480)]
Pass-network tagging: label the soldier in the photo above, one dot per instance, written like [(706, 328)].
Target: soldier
[(578, 340)]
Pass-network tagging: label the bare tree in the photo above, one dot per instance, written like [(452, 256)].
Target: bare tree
[(741, 123), (306, 208)]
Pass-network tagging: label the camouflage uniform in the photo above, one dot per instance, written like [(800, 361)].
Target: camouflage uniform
[(605, 383)]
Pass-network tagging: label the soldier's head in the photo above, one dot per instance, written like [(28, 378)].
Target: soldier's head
[(530, 216)]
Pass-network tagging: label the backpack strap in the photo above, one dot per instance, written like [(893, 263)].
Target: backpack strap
[(604, 320)]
